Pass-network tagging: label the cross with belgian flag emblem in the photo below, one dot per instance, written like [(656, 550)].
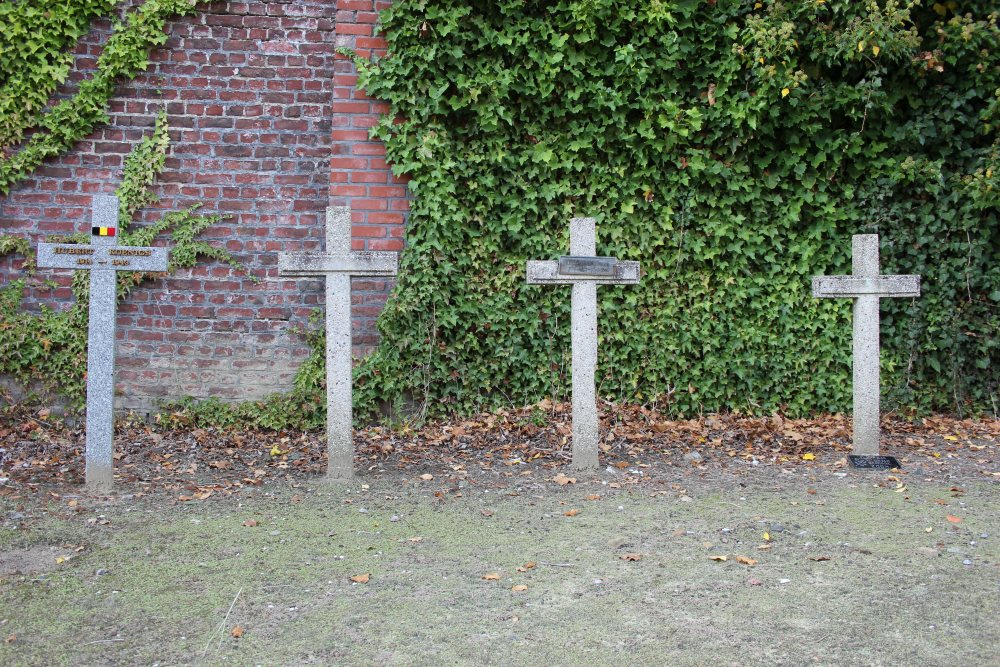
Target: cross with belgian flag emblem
[(103, 258)]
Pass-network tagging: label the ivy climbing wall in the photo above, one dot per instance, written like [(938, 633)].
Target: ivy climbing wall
[(247, 88)]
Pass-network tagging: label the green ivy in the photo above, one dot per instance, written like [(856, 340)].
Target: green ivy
[(36, 53), (733, 147), (35, 56), (46, 351)]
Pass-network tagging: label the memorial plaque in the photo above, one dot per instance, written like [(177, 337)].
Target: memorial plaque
[(570, 265), (873, 462)]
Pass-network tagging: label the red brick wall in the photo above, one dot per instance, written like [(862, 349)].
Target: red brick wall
[(268, 130), (359, 175)]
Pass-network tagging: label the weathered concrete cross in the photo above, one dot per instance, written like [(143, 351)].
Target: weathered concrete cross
[(866, 287), (584, 272), (103, 258), (338, 264)]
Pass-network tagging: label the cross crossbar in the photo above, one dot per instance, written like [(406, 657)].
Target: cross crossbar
[(830, 287), (90, 257), (546, 272), (358, 263)]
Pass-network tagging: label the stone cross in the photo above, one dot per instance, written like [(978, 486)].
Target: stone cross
[(103, 258), (584, 272), (338, 264), (866, 287)]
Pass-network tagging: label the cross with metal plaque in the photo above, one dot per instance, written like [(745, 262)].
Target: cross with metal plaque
[(103, 257), (866, 287), (338, 264), (584, 271)]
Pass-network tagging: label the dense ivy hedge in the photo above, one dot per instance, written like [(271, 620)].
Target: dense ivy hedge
[(733, 148)]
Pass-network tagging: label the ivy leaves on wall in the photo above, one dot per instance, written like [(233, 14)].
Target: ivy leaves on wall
[(733, 147), (35, 57)]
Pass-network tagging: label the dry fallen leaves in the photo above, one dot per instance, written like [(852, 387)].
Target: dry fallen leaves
[(819, 558), (719, 558), (572, 512), (492, 576), (745, 560), (250, 523), (519, 588), (954, 519), (361, 578), (563, 480), (530, 565), (631, 558), (237, 631), (427, 477)]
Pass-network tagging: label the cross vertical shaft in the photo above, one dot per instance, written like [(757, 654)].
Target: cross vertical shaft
[(339, 400), (865, 264), (583, 242), (101, 355)]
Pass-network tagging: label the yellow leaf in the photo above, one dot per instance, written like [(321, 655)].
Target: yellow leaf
[(361, 578), (876, 50), (809, 457), (492, 576), (745, 560), (861, 45), (519, 588), (61, 559), (276, 451), (761, 60), (767, 537), (951, 437), (784, 92), (718, 558)]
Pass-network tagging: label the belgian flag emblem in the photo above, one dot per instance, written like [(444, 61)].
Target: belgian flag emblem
[(102, 231)]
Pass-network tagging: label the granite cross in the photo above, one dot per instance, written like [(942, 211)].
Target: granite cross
[(866, 287), (584, 272), (338, 264), (103, 257)]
